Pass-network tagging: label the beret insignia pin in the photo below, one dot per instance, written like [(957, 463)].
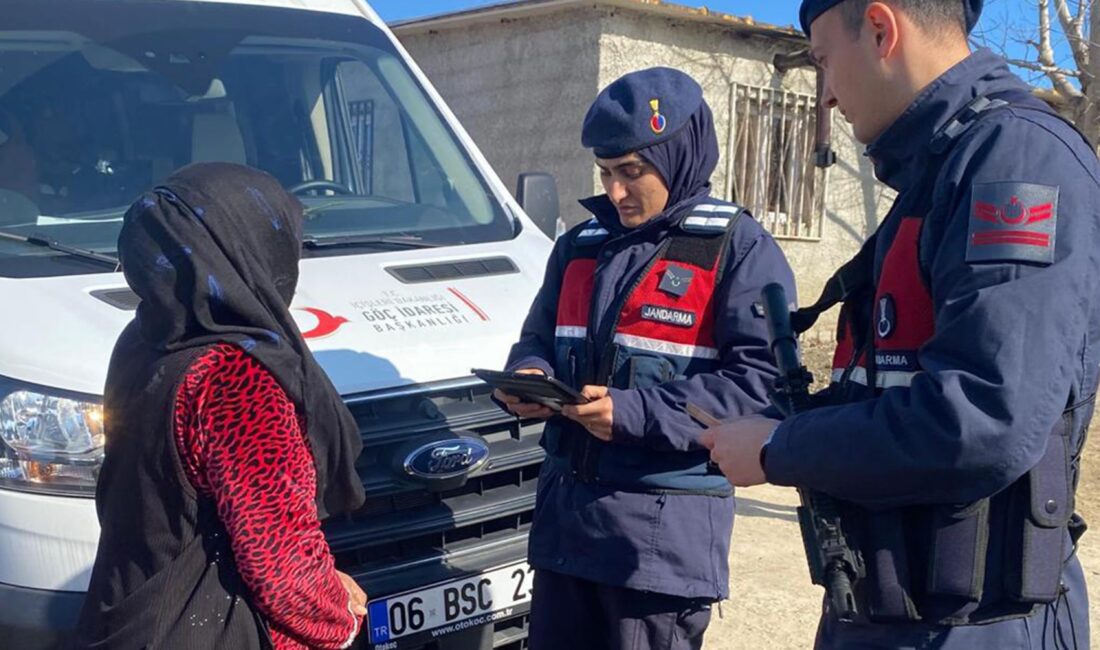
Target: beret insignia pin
[(657, 123)]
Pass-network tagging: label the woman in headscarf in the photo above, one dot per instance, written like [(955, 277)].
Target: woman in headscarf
[(226, 442), (646, 308)]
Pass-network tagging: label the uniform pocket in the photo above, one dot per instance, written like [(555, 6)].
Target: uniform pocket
[(957, 555), (691, 625), (647, 371), (1042, 532)]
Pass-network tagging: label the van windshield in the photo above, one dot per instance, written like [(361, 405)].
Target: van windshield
[(101, 100)]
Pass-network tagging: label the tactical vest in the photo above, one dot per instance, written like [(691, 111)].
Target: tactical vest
[(663, 330), (996, 558)]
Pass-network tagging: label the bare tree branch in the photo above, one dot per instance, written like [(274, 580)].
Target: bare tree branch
[(1088, 85), (1046, 52), (1065, 63), (1074, 37), (1046, 69), (1053, 97)]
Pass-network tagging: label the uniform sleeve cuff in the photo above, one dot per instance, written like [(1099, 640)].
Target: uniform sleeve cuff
[(531, 362), (782, 462), (628, 416)]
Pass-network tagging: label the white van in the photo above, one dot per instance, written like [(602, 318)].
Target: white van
[(418, 266)]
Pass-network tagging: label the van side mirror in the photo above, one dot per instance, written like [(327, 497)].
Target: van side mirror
[(537, 193)]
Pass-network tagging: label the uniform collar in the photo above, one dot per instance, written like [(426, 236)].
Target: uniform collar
[(900, 153), (604, 210)]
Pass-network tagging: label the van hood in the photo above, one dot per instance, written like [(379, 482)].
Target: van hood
[(368, 328)]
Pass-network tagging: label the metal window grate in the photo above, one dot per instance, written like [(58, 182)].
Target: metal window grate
[(769, 160)]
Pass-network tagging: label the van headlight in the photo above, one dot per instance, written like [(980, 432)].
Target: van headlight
[(50, 443)]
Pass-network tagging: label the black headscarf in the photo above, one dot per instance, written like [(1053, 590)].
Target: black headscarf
[(213, 254), (687, 159)]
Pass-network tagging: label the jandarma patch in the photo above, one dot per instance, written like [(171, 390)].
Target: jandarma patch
[(668, 316), (1012, 222)]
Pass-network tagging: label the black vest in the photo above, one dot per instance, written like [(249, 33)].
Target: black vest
[(164, 575)]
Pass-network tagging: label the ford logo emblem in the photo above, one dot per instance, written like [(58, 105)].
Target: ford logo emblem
[(444, 459)]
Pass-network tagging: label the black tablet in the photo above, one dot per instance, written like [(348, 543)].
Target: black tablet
[(537, 389)]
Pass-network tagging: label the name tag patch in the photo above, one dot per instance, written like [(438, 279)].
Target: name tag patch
[(904, 360), (1012, 222), (668, 316)]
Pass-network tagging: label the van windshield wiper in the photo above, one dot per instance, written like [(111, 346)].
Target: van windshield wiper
[(392, 241), (82, 253)]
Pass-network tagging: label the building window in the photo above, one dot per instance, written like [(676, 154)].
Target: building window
[(769, 158)]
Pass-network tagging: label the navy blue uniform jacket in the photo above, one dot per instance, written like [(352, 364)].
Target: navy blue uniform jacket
[(1015, 341), (668, 543)]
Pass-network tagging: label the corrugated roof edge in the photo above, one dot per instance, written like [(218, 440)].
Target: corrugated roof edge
[(529, 8)]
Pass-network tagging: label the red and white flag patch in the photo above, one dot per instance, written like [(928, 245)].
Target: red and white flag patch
[(1012, 222)]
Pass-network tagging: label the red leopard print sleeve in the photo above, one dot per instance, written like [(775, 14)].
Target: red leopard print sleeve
[(242, 445)]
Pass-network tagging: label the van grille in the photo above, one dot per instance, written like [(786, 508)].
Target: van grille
[(408, 535)]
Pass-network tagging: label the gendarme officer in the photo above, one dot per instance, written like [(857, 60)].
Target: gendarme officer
[(646, 307), (966, 365)]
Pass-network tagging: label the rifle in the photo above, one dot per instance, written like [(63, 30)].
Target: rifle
[(834, 564)]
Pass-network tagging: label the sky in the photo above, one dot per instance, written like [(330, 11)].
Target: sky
[(1005, 24)]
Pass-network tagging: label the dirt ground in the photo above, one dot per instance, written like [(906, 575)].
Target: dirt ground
[(773, 606)]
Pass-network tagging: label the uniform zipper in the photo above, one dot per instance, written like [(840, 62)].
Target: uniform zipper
[(602, 374)]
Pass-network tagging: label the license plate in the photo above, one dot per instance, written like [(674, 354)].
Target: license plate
[(450, 606)]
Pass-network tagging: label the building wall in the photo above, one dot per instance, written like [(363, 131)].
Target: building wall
[(522, 87)]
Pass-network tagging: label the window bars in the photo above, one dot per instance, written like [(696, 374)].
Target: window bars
[(769, 160)]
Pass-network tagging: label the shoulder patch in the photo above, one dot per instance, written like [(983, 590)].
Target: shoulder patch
[(1012, 222), (591, 233), (710, 218)]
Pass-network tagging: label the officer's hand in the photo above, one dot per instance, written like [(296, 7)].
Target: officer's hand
[(736, 445), (521, 408), (597, 415)]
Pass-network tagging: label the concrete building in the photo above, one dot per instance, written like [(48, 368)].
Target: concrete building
[(521, 75)]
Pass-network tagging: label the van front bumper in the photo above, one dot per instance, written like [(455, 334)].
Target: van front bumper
[(35, 619)]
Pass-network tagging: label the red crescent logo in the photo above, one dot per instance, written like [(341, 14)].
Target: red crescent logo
[(327, 324)]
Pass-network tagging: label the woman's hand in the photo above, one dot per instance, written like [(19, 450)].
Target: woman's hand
[(357, 598)]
